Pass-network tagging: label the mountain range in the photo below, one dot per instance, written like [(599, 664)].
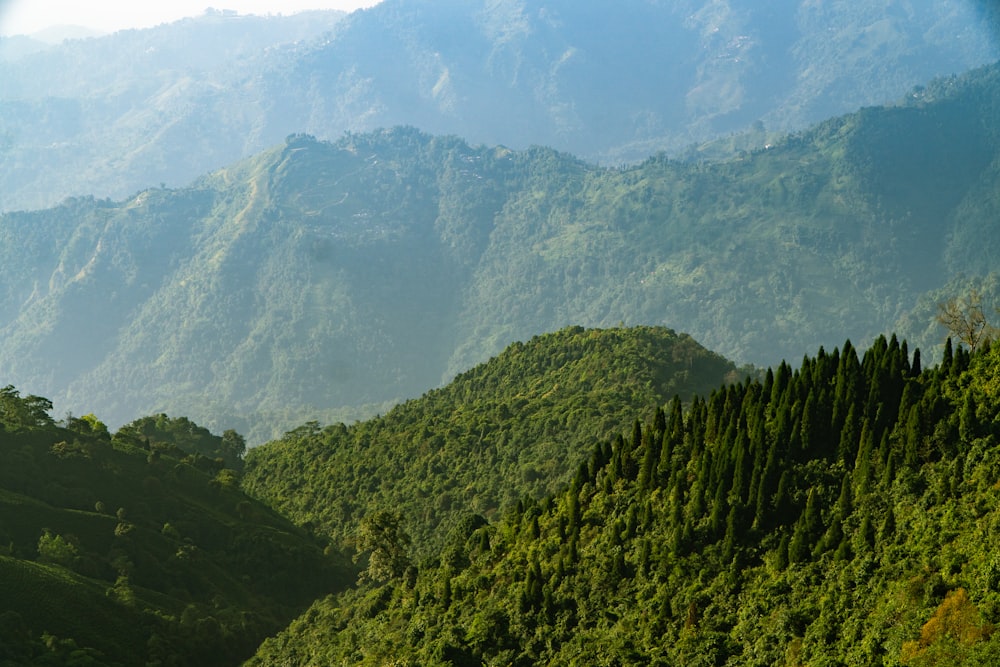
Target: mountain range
[(627, 396), (318, 277), (113, 115)]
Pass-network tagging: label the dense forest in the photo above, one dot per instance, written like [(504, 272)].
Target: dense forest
[(382, 205), (839, 512), (138, 547), (327, 281), (513, 427), (589, 496)]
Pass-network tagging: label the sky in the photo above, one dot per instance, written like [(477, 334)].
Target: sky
[(29, 16)]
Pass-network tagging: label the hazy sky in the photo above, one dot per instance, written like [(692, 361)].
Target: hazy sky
[(28, 16)]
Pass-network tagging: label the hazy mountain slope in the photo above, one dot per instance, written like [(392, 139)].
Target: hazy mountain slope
[(840, 513), (113, 115), (770, 240), (310, 276), (116, 114), (316, 276), (620, 83), (507, 429)]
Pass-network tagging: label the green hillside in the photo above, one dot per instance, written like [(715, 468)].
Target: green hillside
[(516, 426), (128, 550), (382, 205), (323, 281), (841, 512)]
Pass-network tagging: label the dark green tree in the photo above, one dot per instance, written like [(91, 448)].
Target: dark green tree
[(381, 537), (807, 530)]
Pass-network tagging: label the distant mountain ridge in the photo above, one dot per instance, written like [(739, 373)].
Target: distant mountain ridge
[(611, 84), (120, 113), (319, 276)]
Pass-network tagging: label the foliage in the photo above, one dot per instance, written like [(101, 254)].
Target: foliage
[(381, 538), (27, 412), (947, 637), (180, 436), (835, 513), (518, 425), (112, 553)]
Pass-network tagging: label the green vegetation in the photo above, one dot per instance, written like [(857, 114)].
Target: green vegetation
[(318, 278), (516, 426), (552, 506), (116, 550), (612, 493), (835, 513), (181, 436)]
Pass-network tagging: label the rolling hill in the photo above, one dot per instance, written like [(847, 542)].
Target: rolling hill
[(515, 427)]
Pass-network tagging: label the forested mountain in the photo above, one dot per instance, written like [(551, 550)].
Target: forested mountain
[(135, 549), (514, 427), (837, 512), (316, 276), (608, 491), (611, 83), (840, 512)]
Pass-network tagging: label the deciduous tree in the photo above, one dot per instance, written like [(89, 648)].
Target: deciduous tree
[(964, 319)]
